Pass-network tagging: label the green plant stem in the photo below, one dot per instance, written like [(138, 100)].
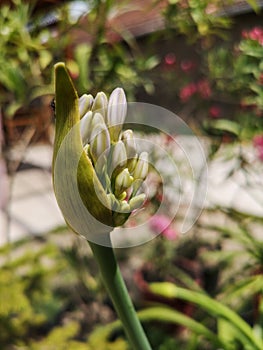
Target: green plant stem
[(118, 292)]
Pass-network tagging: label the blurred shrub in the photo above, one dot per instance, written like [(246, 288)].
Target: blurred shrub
[(32, 41), (43, 290), (110, 56), (25, 57)]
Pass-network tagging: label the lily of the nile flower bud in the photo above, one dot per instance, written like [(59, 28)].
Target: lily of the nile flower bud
[(99, 141), (77, 188), (137, 201), (91, 164), (100, 104), (90, 199), (85, 103), (118, 157), (140, 172), (85, 127), (122, 182), (117, 109), (97, 119), (142, 166), (131, 149), (129, 143)]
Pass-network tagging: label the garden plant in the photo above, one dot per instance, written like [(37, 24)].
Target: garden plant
[(165, 290)]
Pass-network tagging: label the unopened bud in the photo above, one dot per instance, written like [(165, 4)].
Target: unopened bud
[(129, 142), (97, 119), (117, 109), (137, 201), (122, 196), (100, 104), (124, 207), (141, 168), (85, 127), (131, 164), (100, 141), (122, 182), (119, 156), (85, 104)]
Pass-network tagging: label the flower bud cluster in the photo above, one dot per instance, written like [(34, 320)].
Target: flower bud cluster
[(113, 152)]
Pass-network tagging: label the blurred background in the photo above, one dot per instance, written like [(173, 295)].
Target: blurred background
[(202, 60)]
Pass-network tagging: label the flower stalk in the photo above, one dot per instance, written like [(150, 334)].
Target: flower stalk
[(97, 178), (119, 295)]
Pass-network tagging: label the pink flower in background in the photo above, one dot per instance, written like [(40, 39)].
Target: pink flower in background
[(187, 65), (204, 89), (162, 224), (258, 144), (3, 184), (254, 34), (215, 112), (170, 234), (257, 34), (159, 223), (170, 59), (258, 141), (187, 92)]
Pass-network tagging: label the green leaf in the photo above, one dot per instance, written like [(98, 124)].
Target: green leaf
[(163, 315), (226, 333), (251, 48), (243, 331), (248, 286), (151, 62), (223, 125)]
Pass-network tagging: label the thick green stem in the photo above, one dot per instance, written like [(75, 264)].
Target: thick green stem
[(117, 290)]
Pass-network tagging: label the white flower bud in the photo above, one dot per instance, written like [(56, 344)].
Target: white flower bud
[(122, 182), (137, 201), (131, 164), (124, 207), (100, 104), (85, 104), (141, 168), (129, 142), (99, 141), (97, 119), (117, 109), (122, 196), (119, 156), (85, 127)]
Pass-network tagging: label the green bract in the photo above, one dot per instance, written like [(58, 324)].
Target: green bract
[(96, 168)]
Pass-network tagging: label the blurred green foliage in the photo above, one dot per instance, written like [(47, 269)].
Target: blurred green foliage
[(43, 286), (25, 61), (218, 74), (32, 41), (198, 19), (26, 287), (104, 63), (235, 71)]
